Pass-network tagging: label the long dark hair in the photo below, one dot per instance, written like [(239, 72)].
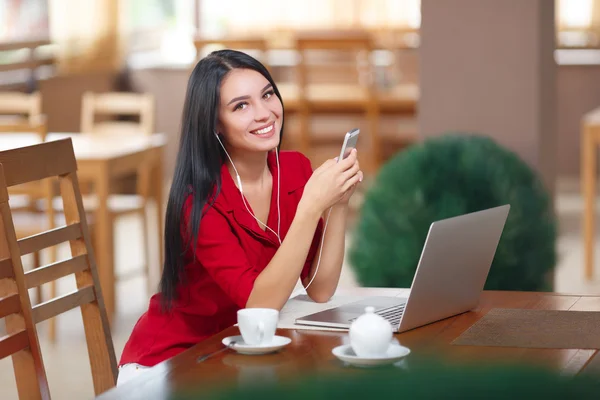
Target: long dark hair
[(199, 159)]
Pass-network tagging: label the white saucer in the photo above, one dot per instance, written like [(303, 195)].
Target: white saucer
[(277, 343), (395, 353)]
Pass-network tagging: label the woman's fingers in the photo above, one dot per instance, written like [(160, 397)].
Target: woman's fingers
[(352, 181), (347, 162), (354, 169)]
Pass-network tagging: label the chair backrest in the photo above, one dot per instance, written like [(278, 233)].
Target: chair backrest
[(107, 106), (56, 159), (257, 47), (35, 125), (21, 104), (37, 129), (338, 58)]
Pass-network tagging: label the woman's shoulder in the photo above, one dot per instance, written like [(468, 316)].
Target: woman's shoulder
[(213, 203)]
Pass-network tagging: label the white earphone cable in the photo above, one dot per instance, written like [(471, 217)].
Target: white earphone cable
[(239, 181)]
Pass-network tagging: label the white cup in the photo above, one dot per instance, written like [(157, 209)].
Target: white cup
[(257, 325)]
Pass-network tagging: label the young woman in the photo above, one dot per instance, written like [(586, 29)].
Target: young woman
[(244, 222)]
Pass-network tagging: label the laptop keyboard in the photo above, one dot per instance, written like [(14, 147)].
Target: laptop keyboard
[(392, 314)]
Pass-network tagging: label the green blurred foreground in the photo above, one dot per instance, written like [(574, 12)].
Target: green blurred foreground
[(424, 381)]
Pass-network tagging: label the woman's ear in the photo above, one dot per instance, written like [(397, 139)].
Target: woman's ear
[(219, 129)]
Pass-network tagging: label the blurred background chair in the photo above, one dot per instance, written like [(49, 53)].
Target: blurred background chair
[(334, 77), (29, 220), (29, 164), (16, 106), (108, 112), (17, 109), (110, 107)]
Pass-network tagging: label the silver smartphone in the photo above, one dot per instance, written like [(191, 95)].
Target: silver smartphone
[(349, 143)]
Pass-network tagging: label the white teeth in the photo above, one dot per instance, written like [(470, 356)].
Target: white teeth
[(264, 130)]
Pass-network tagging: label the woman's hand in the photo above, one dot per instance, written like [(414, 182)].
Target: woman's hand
[(346, 197), (331, 183)]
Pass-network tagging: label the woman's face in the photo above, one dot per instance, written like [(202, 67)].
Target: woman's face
[(250, 114)]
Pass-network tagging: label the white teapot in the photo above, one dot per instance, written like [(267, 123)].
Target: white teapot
[(370, 335)]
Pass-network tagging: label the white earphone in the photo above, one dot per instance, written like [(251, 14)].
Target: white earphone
[(239, 182), (240, 187)]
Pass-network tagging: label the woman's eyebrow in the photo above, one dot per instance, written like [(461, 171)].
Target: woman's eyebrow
[(247, 97)]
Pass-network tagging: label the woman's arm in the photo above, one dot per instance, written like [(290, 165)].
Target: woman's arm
[(327, 276), (328, 185), (273, 286)]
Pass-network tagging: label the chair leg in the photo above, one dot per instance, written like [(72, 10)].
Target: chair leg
[(52, 321), (53, 293), (39, 297)]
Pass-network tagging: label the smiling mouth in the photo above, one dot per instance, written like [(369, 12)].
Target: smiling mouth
[(264, 131)]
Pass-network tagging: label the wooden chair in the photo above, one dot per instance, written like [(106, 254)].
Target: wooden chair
[(257, 47), (23, 197), (398, 94), (107, 106), (29, 164), (113, 104), (28, 193), (334, 77), (22, 113), (21, 106)]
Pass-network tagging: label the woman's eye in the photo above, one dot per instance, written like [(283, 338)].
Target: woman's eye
[(239, 106), (268, 94)]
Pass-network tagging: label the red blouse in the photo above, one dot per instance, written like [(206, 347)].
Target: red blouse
[(232, 249)]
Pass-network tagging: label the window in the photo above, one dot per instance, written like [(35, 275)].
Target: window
[(241, 17), (23, 20), (577, 23), (163, 26)]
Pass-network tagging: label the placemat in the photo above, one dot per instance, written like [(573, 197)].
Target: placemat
[(546, 329)]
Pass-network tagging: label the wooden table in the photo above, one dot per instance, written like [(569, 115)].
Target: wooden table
[(101, 159), (590, 139), (310, 351)]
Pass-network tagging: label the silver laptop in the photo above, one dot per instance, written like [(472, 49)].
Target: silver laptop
[(449, 279)]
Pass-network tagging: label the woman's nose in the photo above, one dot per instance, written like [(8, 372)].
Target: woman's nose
[(262, 112)]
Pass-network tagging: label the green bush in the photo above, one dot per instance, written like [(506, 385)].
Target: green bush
[(444, 177), (422, 381)]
